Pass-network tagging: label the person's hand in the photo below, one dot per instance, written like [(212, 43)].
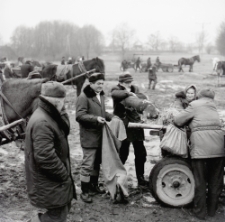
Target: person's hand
[(101, 119)]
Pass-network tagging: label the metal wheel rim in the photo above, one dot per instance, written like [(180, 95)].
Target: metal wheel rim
[(175, 185)]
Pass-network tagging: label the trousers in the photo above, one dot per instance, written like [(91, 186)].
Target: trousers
[(56, 215), (139, 152), (90, 164), (208, 175)]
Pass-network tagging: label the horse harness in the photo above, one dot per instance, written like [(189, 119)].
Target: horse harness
[(10, 134)]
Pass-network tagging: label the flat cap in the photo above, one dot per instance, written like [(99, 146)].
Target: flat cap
[(125, 78), (53, 89)]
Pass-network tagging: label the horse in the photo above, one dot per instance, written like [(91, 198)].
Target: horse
[(79, 68), (220, 68), (23, 95), (215, 62), (126, 65), (189, 61)]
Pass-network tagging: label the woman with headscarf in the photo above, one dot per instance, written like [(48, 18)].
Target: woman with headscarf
[(184, 97)]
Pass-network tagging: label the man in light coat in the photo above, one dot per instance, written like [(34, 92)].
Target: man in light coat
[(91, 115), (47, 157), (206, 150)]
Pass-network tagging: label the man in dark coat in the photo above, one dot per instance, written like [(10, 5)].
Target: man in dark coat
[(152, 77), (134, 136), (26, 69), (149, 64), (206, 150), (138, 64), (47, 158), (91, 115), (63, 62)]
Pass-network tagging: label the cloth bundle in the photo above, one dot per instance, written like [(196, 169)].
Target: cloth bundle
[(175, 141)]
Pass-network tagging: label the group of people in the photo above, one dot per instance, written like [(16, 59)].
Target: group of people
[(47, 156), (71, 60), (198, 113)]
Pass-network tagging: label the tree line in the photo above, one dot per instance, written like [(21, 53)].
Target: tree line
[(56, 39), (124, 39)]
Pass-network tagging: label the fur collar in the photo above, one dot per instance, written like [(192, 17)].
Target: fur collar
[(90, 93), (54, 113)]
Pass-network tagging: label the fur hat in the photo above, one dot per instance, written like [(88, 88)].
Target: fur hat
[(53, 89), (125, 78), (96, 76), (209, 93)]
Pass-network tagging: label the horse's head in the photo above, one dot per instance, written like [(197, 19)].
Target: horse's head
[(96, 64), (50, 72), (197, 58)]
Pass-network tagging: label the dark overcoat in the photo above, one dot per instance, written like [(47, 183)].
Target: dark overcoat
[(47, 158), (88, 108), (26, 69), (119, 93)]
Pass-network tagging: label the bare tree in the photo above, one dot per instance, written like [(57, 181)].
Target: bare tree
[(209, 48), (92, 40), (122, 37), (154, 41), (201, 40), (22, 40), (57, 38), (220, 42)]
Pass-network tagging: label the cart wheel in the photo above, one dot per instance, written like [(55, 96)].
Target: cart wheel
[(164, 69), (172, 182), (170, 69)]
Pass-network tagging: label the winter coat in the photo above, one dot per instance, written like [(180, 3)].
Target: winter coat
[(26, 69), (207, 138), (119, 93), (47, 158), (152, 74), (88, 108)]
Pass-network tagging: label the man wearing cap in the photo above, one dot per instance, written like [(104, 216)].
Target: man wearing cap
[(47, 157), (134, 136), (91, 115), (206, 150)]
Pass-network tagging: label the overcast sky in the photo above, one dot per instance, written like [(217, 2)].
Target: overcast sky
[(180, 18)]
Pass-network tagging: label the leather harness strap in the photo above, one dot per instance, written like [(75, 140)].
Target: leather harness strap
[(9, 104)]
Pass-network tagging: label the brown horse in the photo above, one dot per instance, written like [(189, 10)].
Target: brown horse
[(189, 61), (23, 95), (76, 70)]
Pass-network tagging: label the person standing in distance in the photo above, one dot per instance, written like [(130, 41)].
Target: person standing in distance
[(91, 115)]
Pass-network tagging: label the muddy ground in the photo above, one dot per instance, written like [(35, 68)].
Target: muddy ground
[(14, 204)]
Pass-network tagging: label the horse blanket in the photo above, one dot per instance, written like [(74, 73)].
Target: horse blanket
[(63, 70)]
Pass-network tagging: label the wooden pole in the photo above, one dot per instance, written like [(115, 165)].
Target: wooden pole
[(76, 77), (146, 126), (10, 125)]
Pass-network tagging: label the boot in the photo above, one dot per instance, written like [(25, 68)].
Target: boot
[(85, 192), (142, 181), (94, 187)]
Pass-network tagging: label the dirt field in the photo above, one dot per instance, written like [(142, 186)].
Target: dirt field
[(14, 204)]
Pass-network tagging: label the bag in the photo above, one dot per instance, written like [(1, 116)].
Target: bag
[(175, 141)]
